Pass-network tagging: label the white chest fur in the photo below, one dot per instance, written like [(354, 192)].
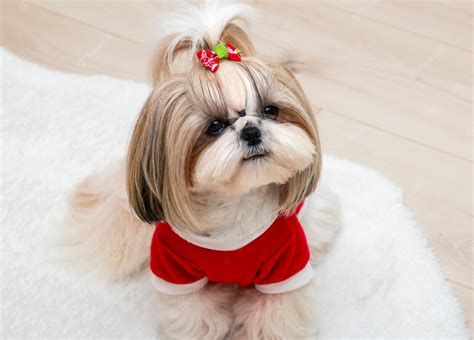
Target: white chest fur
[(233, 220)]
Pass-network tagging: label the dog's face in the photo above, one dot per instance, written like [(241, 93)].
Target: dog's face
[(245, 126), (251, 126)]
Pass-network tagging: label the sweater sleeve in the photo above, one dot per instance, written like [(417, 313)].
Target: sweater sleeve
[(172, 273), (289, 268)]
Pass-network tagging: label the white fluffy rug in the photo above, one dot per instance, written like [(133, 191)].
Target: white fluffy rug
[(380, 280)]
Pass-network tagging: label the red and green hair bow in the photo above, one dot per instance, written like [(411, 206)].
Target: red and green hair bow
[(210, 59)]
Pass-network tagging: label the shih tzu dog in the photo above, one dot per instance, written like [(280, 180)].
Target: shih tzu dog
[(215, 195)]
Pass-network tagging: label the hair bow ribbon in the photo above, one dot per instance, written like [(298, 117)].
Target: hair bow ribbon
[(210, 59)]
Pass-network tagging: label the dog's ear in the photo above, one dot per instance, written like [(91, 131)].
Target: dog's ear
[(145, 167), (304, 182), (299, 187), (156, 170), (158, 173), (184, 32)]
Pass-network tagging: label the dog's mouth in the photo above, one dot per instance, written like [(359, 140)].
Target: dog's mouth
[(255, 157)]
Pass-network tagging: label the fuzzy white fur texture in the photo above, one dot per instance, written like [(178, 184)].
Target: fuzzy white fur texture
[(379, 280)]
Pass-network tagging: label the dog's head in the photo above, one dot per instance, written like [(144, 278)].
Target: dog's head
[(247, 125)]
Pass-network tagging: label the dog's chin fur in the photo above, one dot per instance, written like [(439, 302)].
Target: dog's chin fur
[(204, 185), (288, 149)]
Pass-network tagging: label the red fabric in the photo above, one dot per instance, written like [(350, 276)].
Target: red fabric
[(234, 53), (276, 255), (210, 60)]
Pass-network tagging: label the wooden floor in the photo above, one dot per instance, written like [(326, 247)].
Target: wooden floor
[(393, 79)]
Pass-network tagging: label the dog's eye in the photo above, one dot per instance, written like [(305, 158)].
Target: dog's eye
[(270, 111), (216, 127)]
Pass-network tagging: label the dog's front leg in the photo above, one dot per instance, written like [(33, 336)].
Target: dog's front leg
[(204, 314), (289, 315)]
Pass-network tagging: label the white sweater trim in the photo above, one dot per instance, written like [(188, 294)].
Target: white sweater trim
[(228, 245), (177, 289), (296, 281)]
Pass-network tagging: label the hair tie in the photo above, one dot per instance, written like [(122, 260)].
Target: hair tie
[(210, 59)]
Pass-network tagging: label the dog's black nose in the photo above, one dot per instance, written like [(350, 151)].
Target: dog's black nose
[(251, 134)]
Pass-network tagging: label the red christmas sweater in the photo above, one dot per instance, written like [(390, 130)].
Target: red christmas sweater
[(275, 258)]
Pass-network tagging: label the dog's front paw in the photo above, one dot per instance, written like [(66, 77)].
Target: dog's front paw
[(202, 315), (210, 326), (277, 316)]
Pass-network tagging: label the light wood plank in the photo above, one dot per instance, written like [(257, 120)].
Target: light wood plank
[(412, 110), (56, 41), (433, 19), (466, 298), (141, 27), (465, 6)]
